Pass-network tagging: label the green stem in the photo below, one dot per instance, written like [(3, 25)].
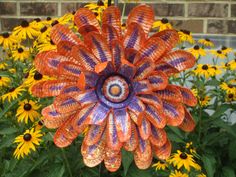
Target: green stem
[(66, 162), (200, 124), (123, 12)]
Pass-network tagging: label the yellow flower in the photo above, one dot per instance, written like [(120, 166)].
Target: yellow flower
[(230, 97), (204, 101), (205, 70), (34, 77), (13, 93), (217, 70), (194, 91), (232, 64), (189, 145), (218, 54), (36, 23), (12, 70), (201, 175), (27, 142), (160, 165), (226, 50), (27, 110), (162, 24), (197, 51), (44, 34), (3, 65), (4, 81), (38, 125), (178, 174), (186, 36), (46, 45), (25, 30), (232, 81), (206, 42), (228, 88), (21, 53), (8, 40), (97, 8), (182, 159)]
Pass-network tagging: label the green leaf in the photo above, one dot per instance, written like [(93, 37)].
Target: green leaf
[(228, 172), (57, 171), (127, 159), (8, 131), (177, 131), (213, 82), (220, 110), (135, 172), (228, 128), (209, 164), (8, 108), (232, 147), (175, 138)]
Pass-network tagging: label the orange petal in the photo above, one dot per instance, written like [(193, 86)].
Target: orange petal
[(188, 123), (164, 151), (170, 93)]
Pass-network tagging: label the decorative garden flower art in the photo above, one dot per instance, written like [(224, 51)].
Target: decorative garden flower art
[(115, 84)]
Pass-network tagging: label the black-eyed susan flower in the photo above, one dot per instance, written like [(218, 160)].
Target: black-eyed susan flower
[(162, 24), (205, 70), (43, 36), (25, 30), (27, 109), (232, 64), (230, 97), (197, 51), (228, 88), (27, 143), (38, 125), (177, 173), (183, 159), (12, 70), (13, 93), (36, 23), (8, 40), (186, 36), (204, 100), (47, 21), (34, 77), (3, 65), (4, 81), (102, 81), (217, 70), (201, 175), (46, 45), (232, 81), (160, 165), (206, 42), (20, 53), (195, 92), (218, 54), (226, 50)]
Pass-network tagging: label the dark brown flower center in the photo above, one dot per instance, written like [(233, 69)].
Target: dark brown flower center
[(226, 64), (54, 22), (73, 12), (223, 48), (96, 14), (27, 107), (5, 35), (40, 123), (202, 99), (51, 42), (214, 67), (43, 29), (185, 31), (204, 67), (48, 18), (27, 137), (183, 155), (230, 86), (24, 24), (219, 51), (20, 50), (0, 77), (196, 47), (208, 40), (100, 3), (123, 24), (164, 20), (26, 75), (230, 95), (12, 89), (38, 76), (37, 19)]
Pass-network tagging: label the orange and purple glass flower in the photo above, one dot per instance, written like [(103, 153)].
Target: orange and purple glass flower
[(115, 84)]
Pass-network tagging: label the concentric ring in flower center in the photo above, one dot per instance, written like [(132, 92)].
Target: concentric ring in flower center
[(115, 89)]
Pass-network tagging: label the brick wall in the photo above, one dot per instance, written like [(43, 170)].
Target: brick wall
[(198, 16)]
